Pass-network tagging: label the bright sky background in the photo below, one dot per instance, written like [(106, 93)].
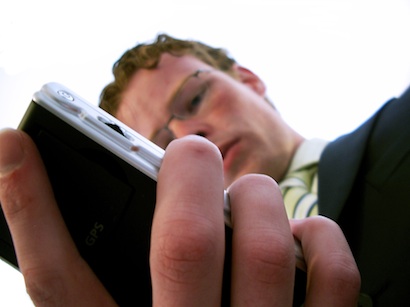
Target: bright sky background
[(334, 61)]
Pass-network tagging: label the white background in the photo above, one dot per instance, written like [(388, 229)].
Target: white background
[(334, 61)]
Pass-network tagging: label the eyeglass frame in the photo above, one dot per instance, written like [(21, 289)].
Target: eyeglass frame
[(165, 128)]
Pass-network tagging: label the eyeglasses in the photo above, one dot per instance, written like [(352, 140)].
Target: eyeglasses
[(185, 104)]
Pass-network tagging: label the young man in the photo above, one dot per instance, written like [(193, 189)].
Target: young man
[(188, 231), (173, 88)]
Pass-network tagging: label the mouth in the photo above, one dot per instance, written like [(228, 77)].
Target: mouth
[(225, 148), (228, 152)]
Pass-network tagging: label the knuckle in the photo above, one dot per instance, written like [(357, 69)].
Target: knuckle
[(341, 271), (14, 201), (270, 258), (343, 275), (185, 255)]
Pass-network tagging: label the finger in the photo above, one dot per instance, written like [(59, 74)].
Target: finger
[(187, 241), (333, 276), (54, 272), (263, 261)]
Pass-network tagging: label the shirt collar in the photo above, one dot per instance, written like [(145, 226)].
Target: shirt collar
[(307, 153)]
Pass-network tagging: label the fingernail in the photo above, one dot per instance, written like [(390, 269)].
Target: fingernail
[(11, 151)]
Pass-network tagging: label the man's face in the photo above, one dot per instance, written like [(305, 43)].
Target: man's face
[(231, 113)]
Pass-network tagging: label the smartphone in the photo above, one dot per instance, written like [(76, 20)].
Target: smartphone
[(103, 175)]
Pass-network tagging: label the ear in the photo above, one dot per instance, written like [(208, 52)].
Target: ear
[(248, 78)]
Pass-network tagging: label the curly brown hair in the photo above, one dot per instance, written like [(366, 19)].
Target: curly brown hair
[(147, 56)]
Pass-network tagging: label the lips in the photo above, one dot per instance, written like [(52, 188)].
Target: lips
[(225, 148), (228, 152)]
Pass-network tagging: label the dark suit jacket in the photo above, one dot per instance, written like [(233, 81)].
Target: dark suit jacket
[(364, 185)]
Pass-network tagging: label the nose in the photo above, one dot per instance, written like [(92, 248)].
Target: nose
[(190, 126)]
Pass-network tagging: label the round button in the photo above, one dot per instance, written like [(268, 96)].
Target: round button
[(65, 95)]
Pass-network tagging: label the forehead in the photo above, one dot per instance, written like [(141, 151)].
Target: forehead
[(145, 102)]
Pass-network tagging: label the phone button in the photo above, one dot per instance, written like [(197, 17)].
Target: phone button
[(66, 100), (65, 95)]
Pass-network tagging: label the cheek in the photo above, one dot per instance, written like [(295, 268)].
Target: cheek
[(238, 107), (228, 104)]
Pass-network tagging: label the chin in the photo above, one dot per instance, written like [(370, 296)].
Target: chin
[(230, 178)]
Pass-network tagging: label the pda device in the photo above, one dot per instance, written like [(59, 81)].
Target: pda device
[(103, 175)]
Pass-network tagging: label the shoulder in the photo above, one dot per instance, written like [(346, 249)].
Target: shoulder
[(343, 158)]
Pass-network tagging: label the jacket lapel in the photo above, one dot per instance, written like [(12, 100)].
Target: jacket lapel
[(338, 167)]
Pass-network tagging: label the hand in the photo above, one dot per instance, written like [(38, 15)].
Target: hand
[(187, 250), (53, 270), (188, 239)]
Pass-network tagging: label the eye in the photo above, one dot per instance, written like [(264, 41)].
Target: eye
[(190, 98), (194, 103)]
